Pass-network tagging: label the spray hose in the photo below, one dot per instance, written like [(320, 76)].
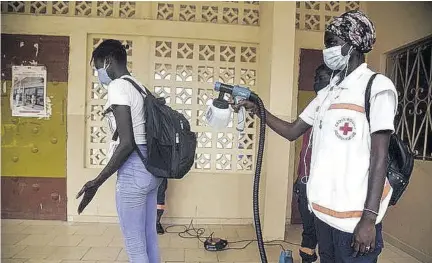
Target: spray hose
[(256, 186)]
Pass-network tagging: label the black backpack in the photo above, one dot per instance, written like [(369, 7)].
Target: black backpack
[(400, 157), (171, 144)]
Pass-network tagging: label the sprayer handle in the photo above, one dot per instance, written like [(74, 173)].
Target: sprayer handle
[(241, 119)]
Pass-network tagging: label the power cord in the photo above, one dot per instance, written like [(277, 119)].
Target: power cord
[(199, 233)]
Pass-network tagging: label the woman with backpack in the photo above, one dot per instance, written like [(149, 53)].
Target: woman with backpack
[(136, 189)]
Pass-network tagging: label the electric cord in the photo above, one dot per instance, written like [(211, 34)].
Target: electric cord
[(191, 231)]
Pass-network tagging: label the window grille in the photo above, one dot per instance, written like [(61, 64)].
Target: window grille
[(411, 72)]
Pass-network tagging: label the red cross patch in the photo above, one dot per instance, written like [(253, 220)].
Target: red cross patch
[(345, 129)]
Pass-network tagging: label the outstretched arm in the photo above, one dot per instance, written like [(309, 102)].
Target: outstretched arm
[(288, 130)]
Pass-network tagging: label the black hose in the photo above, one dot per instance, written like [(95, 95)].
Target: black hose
[(257, 221)]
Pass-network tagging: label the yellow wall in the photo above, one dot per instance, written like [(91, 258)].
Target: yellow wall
[(35, 147), (409, 224)]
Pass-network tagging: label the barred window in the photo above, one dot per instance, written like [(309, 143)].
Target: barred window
[(411, 72)]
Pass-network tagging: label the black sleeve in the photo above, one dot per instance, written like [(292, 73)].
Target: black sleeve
[(123, 118)]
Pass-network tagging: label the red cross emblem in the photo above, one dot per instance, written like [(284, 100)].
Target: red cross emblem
[(346, 128)]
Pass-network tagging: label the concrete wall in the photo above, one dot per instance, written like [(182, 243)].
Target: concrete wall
[(409, 224)]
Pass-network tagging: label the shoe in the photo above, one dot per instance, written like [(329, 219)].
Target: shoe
[(159, 229)]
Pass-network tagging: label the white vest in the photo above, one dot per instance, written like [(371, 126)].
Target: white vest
[(338, 181)]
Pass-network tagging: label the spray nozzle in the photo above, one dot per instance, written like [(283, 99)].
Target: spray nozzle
[(218, 114)]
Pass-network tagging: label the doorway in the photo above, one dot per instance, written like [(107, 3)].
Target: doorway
[(310, 59)]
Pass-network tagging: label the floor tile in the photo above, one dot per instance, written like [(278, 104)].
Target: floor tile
[(12, 229), (102, 253), (172, 254), (36, 240), (404, 260), (42, 261), (35, 252), (39, 230), (245, 255), (117, 242), (113, 230), (68, 253), (13, 260), (66, 241), (388, 253), (200, 255), (90, 230), (164, 240), (12, 239), (8, 251), (95, 241), (176, 241), (123, 256), (9, 222)]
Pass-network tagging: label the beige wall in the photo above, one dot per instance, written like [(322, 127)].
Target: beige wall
[(397, 24), (409, 224)]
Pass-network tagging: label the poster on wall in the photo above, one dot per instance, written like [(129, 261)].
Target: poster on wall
[(28, 94)]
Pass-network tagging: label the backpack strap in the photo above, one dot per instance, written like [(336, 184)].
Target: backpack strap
[(116, 135), (368, 96), (137, 87)]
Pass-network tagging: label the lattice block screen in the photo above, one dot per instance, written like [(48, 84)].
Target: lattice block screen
[(97, 132), (122, 9), (223, 12), (315, 15), (184, 72), (227, 12)]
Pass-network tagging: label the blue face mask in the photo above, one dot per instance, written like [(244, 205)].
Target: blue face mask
[(103, 76)]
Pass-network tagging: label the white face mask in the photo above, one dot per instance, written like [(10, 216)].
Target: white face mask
[(334, 59)]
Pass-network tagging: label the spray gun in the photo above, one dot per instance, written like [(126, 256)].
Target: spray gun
[(218, 116)]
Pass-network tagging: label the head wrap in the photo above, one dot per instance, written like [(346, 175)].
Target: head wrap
[(356, 29)]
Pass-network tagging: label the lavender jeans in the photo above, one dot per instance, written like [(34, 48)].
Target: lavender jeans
[(136, 193)]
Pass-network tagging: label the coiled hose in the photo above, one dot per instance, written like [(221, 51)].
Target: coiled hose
[(256, 186)]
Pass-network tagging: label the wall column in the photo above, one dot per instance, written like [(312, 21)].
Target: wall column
[(277, 40)]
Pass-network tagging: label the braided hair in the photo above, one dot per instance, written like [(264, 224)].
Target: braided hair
[(112, 49)]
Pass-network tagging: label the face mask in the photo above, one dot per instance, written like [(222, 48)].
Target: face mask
[(103, 75), (334, 59)]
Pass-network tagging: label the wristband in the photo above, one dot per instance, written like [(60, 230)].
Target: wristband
[(371, 211)]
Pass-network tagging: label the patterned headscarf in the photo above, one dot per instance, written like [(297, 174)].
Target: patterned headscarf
[(355, 28)]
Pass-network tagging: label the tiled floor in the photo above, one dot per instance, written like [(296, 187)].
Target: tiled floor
[(60, 242)]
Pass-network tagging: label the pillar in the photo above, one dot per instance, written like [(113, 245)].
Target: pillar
[(277, 39)]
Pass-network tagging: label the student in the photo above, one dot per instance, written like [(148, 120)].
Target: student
[(161, 205), (347, 188), (309, 239), (136, 187)]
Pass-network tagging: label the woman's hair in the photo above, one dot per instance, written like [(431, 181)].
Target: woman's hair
[(112, 49)]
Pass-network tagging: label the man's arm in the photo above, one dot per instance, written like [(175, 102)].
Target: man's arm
[(288, 130), (378, 171)]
